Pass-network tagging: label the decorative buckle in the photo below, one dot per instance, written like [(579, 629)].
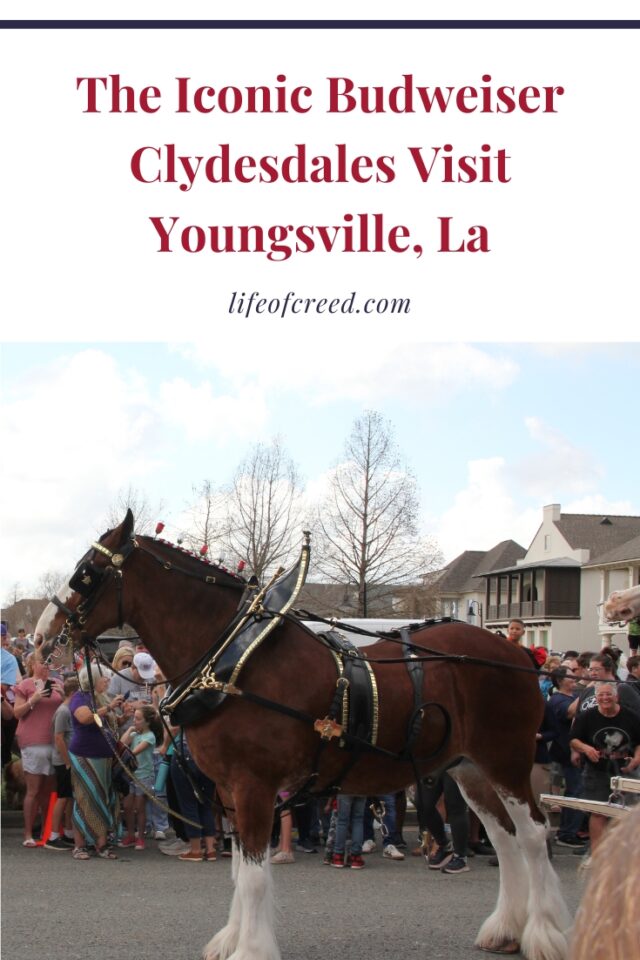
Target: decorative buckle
[(327, 728)]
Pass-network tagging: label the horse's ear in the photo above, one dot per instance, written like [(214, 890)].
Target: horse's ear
[(127, 526)]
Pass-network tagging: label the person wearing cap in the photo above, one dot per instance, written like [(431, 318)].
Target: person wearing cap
[(134, 683)]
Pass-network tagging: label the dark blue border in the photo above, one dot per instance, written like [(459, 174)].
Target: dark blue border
[(319, 24)]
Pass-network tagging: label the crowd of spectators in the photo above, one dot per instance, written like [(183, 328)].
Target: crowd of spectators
[(590, 731)]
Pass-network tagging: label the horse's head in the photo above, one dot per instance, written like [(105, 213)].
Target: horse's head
[(81, 607), (622, 605)]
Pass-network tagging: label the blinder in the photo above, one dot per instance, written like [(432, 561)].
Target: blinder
[(86, 578)]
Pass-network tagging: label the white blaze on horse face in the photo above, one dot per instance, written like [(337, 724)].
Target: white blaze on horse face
[(46, 619)]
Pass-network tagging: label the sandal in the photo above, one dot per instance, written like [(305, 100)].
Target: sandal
[(29, 842), (79, 853), (105, 853)]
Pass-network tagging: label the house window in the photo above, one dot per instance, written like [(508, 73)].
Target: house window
[(531, 638), (504, 590), (515, 589), (544, 639), (527, 586), (493, 591), (547, 541)]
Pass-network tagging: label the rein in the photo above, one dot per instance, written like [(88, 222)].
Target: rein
[(431, 654), (97, 719)]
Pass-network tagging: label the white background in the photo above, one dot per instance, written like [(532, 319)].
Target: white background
[(79, 253)]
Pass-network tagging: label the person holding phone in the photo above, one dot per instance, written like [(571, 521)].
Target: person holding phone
[(37, 698)]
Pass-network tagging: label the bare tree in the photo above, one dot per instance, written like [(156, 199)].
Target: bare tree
[(50, 582), (206, 518), (145, 513), (14, 594), (264, 511), (367, 525)]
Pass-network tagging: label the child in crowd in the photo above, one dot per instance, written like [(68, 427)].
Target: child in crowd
[(61, 836), (350, 815), (141, 738)]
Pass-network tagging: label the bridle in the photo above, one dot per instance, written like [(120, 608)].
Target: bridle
[(89, 580)]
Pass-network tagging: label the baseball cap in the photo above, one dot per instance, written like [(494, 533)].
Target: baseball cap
[(145, 665)]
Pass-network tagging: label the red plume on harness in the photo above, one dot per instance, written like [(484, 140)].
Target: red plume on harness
[(204, 550)]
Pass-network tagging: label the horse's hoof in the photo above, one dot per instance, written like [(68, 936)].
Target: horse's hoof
[(506, 947)]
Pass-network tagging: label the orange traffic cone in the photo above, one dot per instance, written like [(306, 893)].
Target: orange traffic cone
[(46, 827)]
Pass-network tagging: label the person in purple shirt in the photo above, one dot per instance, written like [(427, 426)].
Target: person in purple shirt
[(95, 812)]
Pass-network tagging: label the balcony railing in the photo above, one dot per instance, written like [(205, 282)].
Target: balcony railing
[(534, 608)]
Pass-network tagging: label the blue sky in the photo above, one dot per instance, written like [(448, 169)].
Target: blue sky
[(491, 431)]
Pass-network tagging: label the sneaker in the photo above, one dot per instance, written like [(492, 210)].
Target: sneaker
[(569, 842), (456, 865), (159, 835), (226, 847), (191, 856), (481, 849), (306, 847), (357, 863), (139, 844), (57, 844), (327, 857), (337, 860), (69, 842), (282, 857), (173, 848), (582, 851), (440, 857), (368, 846), (392, 853), (127, 842)]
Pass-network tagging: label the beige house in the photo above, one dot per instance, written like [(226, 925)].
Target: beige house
[(460, 588), (616, 569), (557, 588)]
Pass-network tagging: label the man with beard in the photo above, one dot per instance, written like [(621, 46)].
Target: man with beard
[(608, 737)]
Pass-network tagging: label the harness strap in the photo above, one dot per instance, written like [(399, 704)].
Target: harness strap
[(416, 675), (108, 740)]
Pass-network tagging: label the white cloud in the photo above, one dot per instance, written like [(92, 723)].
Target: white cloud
[(485, 512), (599, 504), (81, 430), (555, 464), (365, 367), (70, 437), (202, 415), (504, 499)]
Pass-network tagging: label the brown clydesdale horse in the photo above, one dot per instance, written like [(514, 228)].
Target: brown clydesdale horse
[(252, 753)]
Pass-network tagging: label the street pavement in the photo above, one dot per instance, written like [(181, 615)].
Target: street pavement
[(146, 905)]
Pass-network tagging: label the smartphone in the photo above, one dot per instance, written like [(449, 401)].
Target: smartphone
[(48, 686), (127, 695)]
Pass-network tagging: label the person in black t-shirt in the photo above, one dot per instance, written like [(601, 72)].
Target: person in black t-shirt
[(609, 739)]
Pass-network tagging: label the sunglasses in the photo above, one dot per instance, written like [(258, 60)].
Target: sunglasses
[(127, 663)]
